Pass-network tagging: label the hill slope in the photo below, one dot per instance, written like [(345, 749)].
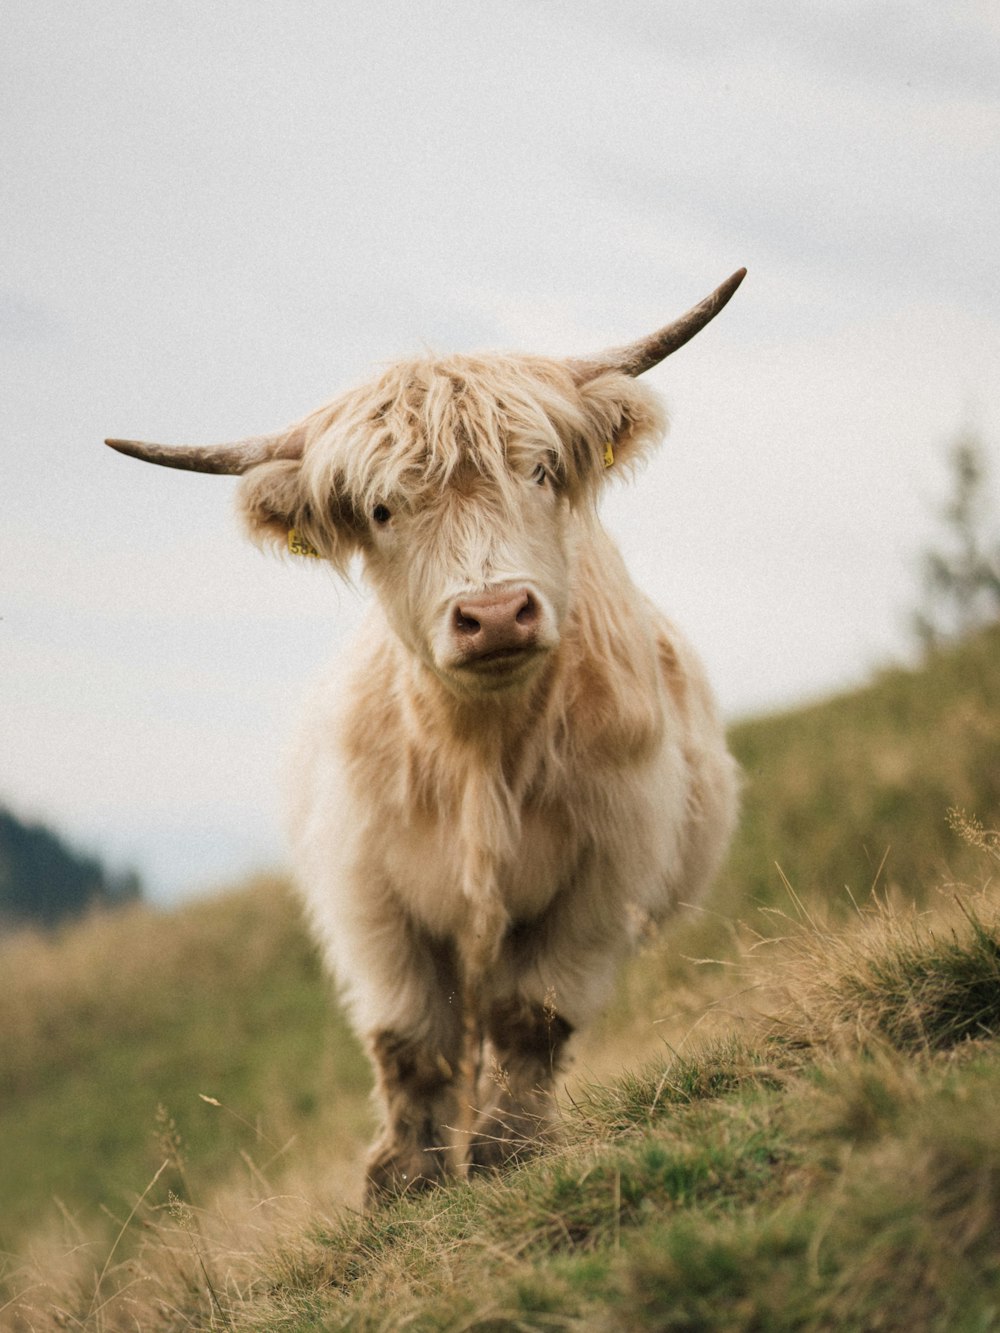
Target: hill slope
[(858, 788), (113, 1029), (702, 1156)]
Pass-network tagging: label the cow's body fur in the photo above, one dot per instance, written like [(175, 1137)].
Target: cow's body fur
[(478, 854), (598, 799)]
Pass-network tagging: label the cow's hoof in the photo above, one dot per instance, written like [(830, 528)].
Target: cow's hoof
[(504, 1140), (391, 1174)]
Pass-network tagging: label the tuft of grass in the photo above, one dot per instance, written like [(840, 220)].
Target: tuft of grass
[(918, 981), (639, 1098)]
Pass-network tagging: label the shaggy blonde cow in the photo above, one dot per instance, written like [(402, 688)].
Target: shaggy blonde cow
[(521, 763)]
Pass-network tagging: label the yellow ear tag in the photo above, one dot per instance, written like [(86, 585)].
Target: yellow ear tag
[(298, 545), (609, 455)]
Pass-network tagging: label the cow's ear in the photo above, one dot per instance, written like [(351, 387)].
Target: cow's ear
[(276, 509), (625, 420)]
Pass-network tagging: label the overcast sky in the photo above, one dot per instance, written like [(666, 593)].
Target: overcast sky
[(218, 215)]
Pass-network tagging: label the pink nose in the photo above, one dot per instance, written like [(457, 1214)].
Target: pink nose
[(495, 623)]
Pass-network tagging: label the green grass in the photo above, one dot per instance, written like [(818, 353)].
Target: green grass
[(814, 1145)]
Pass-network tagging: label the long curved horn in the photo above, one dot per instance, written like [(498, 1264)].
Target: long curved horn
[(641, 356), (229, 459)]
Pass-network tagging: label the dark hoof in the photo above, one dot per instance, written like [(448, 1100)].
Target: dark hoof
[(391, 1175), (500, 1141)]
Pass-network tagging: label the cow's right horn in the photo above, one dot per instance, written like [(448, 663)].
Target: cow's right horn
[(230, 459)]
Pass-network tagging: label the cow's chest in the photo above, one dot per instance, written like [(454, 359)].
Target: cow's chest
[(440, 868)]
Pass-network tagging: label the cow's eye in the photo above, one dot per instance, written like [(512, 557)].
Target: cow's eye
[(540, 476), (381, 515)]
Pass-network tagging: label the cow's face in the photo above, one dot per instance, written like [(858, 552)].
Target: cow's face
[(475, 579), (460, 483)]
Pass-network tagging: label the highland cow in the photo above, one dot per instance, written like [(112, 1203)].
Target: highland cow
[(520, 764)]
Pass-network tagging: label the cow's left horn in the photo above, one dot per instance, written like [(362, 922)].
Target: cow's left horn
[(641, 356), (230, 459)]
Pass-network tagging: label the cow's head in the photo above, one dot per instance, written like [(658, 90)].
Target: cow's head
[(455, 481)]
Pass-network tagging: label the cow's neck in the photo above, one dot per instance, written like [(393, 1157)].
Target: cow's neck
[(495, 729)]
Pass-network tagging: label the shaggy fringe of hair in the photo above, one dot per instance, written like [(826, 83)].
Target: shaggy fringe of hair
[(425, 424)]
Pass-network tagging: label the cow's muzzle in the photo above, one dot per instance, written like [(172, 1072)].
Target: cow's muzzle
[(493, 629)]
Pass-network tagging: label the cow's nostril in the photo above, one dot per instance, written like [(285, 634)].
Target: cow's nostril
[(528, 613), (466, 624)]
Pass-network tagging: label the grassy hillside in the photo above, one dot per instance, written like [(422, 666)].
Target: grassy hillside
[(858, 788), (117, 1027), (776, 1174)]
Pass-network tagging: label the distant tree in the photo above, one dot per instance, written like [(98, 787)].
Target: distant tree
[(44, 881), (961, 575)]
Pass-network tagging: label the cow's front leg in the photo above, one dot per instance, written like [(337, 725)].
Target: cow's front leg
[(415, 1083), (407, 999), (522, 1053)]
